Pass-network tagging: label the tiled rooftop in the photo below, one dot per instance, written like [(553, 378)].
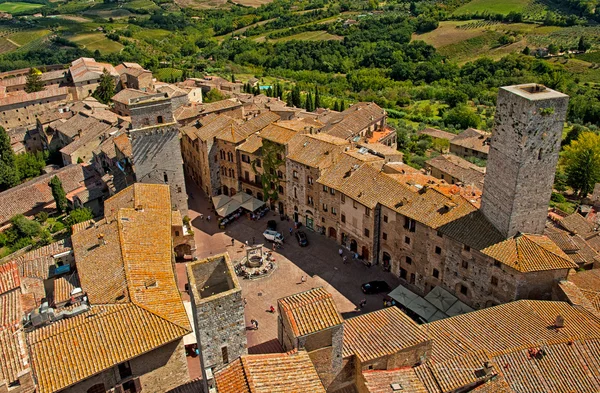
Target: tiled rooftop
[(380, 381), (381, 333), (271, 373), (530, 253), (310, 311), (473, 139)]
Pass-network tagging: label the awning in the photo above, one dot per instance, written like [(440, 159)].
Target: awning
[(189, 338), (403, 295), (441, 298), (220, 201), (422, 308), (253, 204), (228, 209), (241, 197), (458, 308)]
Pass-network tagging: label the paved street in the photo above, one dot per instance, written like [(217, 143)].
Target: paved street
[(319, 262)]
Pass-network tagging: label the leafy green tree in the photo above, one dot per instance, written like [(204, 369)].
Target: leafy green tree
[(9, 174), (33, 81), (336, 105), (461, 117), (25, 227), (552, 49), (526, 51), (30, 165), (59, 194), (106, 88), (214, 95), (573, 134), (78, 215), (581, 160), (583, 44)]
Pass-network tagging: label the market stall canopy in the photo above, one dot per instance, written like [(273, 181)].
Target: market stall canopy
[(253, 204), (220, 201), (441, 298), (241, 197), (228, 208), (422, 308), (403, 295), (458, 308)]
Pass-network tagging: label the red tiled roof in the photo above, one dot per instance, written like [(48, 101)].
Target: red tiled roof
[(310, 311), (9, 276)]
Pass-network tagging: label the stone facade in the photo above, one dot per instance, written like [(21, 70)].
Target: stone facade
[(251, 171), (229, 167), (157, 371), (302, 193), (218, 311), (523, 156), (359, 227), (157, 160), (149, 111)]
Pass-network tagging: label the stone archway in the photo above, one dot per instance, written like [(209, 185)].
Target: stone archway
[(332, 232), (225, 190), (182, 250), (387, 259), (97, 388), (365, 253), (353, 245)]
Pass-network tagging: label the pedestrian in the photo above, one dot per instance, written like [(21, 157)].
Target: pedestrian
[(253, 242), (273, 246), (232, 242), (291, 231), (345, 259), (362, 303), (201, 216), (341, 252), (246, 243), (303, 279), (245, 301), (254, 323), (272, 309), (208, 218)]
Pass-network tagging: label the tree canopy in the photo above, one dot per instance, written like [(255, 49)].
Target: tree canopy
[(9, 175), (33, 81), (106, 88), (59, 194), (582, 163)]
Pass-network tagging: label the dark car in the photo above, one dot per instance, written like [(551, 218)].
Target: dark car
[(375, 287), (302, 239), (272, 225)]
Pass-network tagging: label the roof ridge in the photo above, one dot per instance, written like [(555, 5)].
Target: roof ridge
[(143, 307), (244, 364), (545, 249)]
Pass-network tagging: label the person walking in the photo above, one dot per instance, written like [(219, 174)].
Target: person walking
[(362, 304), (345, 259), (254, 323), (232, 242), (202, 216), (302, 279), (208, 218), (272, 309), (341, 252), (253, 241), (291, 230)]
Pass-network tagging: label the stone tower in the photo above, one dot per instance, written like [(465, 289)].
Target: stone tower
[(156, 151), (218, 310), (522, 160)]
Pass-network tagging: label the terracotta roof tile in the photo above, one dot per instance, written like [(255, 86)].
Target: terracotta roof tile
[(310, 311), (459, 168), (125, 95), (529, 253), (252, 144), (270, 373), (438, 134), (277, 133), (316, 151), (376, 334), (473, 139), (235, 134), (37, 263), (353, 120), (380, 381), (128, 276), (74, 349), (577, 224), (460, 371), (9, 276)]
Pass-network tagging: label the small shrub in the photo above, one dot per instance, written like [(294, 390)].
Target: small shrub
[(41, 217), (558, 198)]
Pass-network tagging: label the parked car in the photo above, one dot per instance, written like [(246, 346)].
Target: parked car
[(375, 287), (272, 225), (273, 236), (302, 239)]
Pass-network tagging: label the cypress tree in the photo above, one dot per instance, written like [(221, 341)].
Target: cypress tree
[(309, 103), (9, 175), (343, 106), (58, 192), (34, 82), (317, 98), (336, 106)]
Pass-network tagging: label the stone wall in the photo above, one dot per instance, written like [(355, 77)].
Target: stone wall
[(157, 160), (354, 219), (326, 353), (522, 160), (149, 111), (158, 371), (228, 167)]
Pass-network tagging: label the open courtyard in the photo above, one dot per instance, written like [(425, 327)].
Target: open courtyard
[(319, 263)]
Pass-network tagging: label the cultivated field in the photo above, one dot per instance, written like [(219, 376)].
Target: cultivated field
[(96, 41), (318, 35), (26, 37), (493, 6), (11, 7), (6, 46)]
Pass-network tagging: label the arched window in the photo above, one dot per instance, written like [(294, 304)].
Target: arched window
[(97, 388)]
